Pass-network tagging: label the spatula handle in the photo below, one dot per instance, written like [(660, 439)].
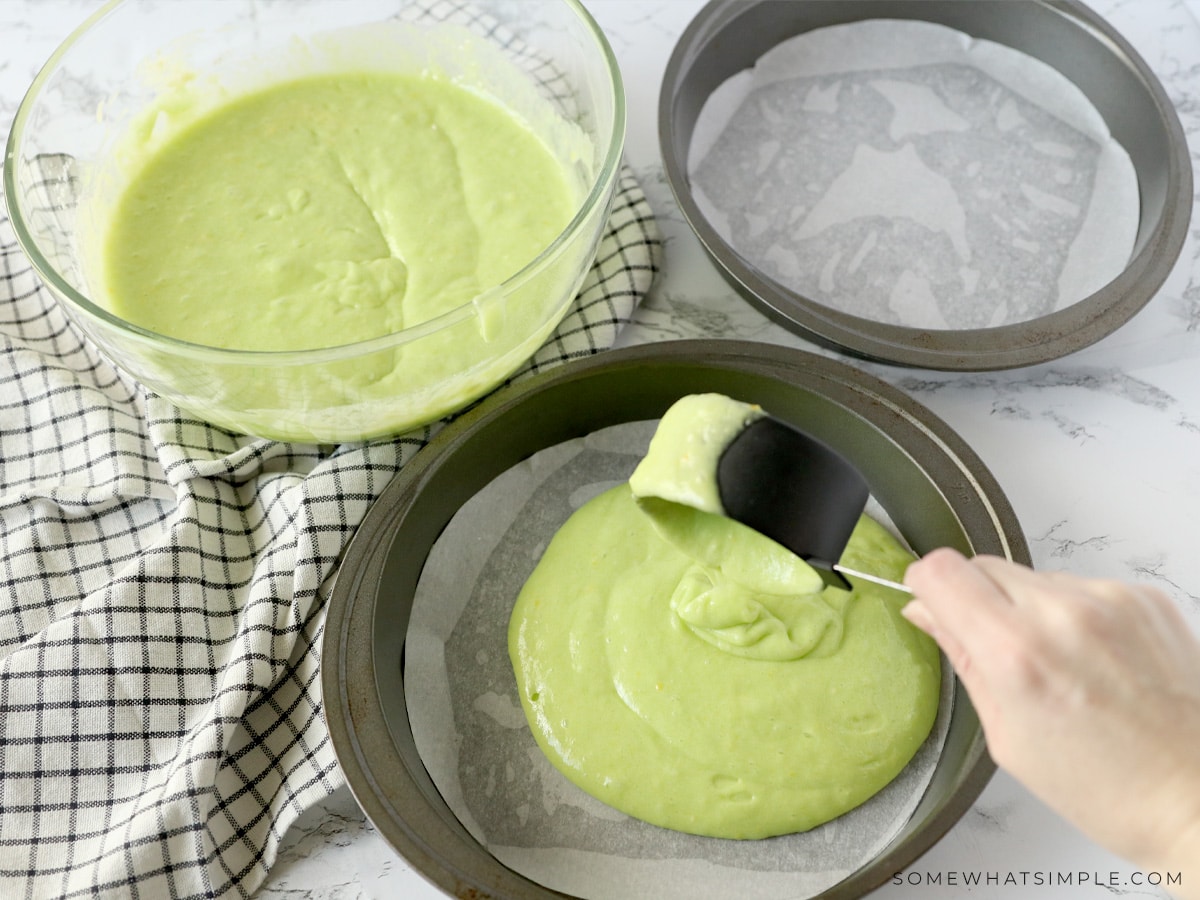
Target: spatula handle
[(852, 574)]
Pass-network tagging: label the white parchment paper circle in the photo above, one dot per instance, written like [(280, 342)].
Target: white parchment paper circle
[(903, 172)]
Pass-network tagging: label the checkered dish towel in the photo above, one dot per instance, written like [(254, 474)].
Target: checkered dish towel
[(162, 596)]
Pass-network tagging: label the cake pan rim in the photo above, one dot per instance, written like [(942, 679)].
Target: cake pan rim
[(354, 712), (1019, 344)]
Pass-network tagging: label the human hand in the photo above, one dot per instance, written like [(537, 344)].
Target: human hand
[(1088, 691)]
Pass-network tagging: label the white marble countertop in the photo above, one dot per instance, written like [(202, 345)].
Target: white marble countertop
[(1099, 453)]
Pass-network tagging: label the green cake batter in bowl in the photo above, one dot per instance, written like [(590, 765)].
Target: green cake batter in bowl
[(330, 210), (322, 221)]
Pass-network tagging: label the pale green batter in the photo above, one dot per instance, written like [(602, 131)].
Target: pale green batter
[(697, 676), (329, 210), (681, 463)]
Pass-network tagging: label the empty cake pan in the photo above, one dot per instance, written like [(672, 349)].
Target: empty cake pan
[(931, 484), (728, 37)]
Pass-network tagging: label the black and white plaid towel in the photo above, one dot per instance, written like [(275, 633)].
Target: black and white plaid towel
[(162, 589)]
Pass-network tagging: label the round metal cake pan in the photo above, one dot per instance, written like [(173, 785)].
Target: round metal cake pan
[(933, 486), (728, 36)]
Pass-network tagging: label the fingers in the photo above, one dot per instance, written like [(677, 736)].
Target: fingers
[(961, 607), (959, 594), (992, 617), (1061, 607), (1022, 585), (960, 660)]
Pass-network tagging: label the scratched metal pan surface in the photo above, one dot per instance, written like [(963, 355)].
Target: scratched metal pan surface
[(932, 484), (728, 36)]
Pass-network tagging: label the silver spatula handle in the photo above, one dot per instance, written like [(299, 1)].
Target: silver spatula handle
[(865, 576)]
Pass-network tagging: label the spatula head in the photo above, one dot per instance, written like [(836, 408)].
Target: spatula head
[(795, 489)]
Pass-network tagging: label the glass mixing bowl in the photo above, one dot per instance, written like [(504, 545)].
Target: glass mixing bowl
[(127, 57)]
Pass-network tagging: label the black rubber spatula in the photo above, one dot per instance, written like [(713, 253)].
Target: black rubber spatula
[(797, 491)]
